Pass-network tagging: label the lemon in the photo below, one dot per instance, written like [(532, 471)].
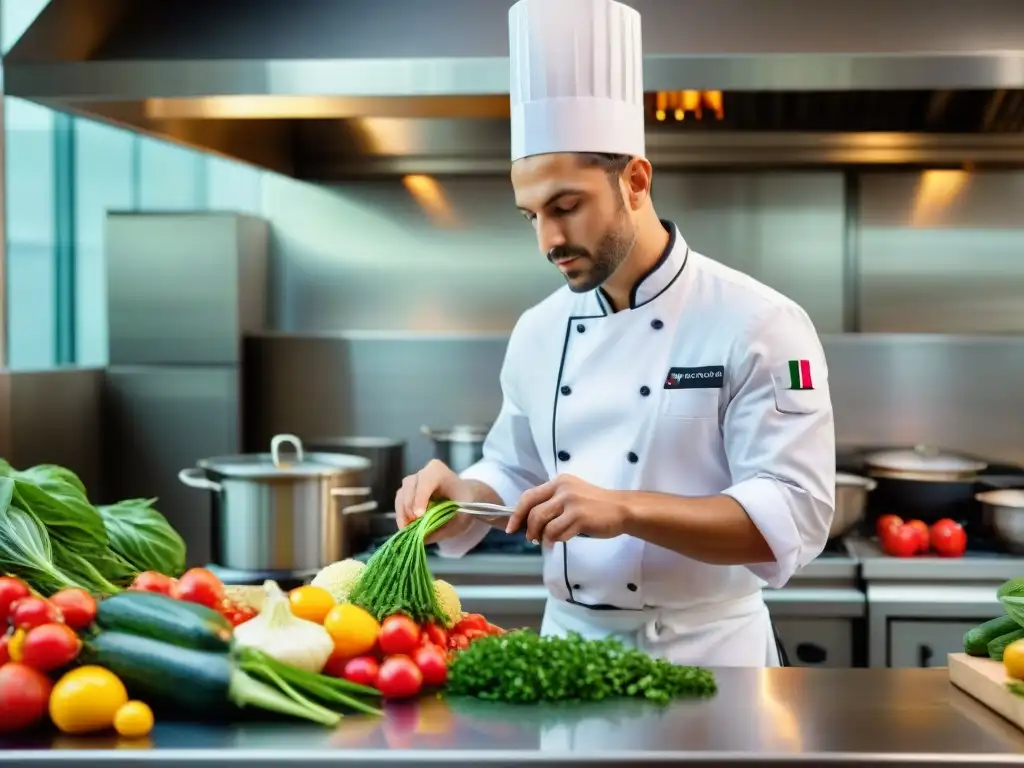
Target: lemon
[(1013, 659)]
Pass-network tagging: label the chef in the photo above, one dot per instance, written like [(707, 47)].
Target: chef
[(666, 429)]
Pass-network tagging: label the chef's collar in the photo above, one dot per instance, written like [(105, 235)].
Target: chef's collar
[(659, 277)]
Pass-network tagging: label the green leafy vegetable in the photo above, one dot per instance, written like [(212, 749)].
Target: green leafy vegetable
[(62, 509), (143, 538), (523, 667), (1011, 595), (25, 548), (397, 579)]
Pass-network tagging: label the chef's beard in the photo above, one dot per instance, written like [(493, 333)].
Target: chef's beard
[(595, 268)]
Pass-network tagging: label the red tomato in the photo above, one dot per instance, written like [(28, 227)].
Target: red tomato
[(949, 538), (923, 537), (11, 589), (432, 664), (5, 651), (335, 666), (436, 634), (200, 586), (50, 647), (471, 621), (901, 542), (77, 606), (151, 581), (457, 642), (476, 634), (29, 612), (886, 524), (24, 696), (399, 635), (362, 670), (399, 678), (494, 629)]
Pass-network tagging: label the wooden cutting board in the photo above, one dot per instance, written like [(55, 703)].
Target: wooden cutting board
[(985, 680)]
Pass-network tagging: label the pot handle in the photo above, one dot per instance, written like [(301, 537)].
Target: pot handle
[(196, 478), (366, 506), (275, 448)]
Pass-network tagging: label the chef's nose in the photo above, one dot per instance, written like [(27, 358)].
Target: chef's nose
[(549, 234)]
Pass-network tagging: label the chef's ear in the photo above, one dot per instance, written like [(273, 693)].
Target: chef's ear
[(637, 178)]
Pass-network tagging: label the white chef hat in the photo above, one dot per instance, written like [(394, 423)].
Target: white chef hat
[(576, 77)]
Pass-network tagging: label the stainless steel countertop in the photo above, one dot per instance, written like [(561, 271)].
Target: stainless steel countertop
[(776, 717)]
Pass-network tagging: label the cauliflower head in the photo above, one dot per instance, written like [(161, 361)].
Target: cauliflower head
[(449, 600), (339, 578)]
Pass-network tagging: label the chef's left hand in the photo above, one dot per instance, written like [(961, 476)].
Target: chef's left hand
[(566, 507)]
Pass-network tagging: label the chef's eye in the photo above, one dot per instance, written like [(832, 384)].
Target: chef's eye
[(565, 208)]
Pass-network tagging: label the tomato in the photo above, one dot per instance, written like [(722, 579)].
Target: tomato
[(432, 665), (311, 603), (29, 612), (949, 538), (399, 677), (86, 700), (49, 647), (436, 634), (476, 634), (76, 606), (335, 666), (471, 621), (11, 589), (399, 635), (5, 651), (200, 586), (457, 642), (887, 523), (923, 537), (151, 581), (494, 629), (24, 696), (362, 670), (901, 542), (133, 720)]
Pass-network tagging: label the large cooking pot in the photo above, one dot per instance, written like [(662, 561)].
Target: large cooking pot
[(387, 462), (851, 501), (459, 447), (277, 512), (924, 483)]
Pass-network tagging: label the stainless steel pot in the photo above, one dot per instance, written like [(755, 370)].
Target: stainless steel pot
[(1003, 512), (459, 447), (387, 462), (851, 500), (280, 513)]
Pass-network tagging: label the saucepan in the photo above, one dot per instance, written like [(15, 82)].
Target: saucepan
[(279, 512), (459, 447), (851, 501), (924, 482), (1003, 513)]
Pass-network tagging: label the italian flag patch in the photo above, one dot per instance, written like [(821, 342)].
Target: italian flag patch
[(800, 374)]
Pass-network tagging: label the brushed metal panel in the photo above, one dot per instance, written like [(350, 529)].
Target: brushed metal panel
[(940, 252), (55, 418), (365, 256), (160, 420), (177, 285)]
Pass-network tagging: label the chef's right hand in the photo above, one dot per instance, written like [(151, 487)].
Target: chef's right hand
[(436, 480)]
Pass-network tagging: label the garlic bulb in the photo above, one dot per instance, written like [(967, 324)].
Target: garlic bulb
[(283, 636)]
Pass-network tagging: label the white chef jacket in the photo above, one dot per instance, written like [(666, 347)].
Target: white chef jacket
[(688, 392)]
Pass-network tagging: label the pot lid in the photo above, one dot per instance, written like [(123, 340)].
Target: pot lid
[(923, 459), (461, 433), (358, 442), (292, 462), (844, 478), (1004, 497)]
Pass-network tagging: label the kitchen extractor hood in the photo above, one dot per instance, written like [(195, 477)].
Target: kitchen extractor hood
[(321, 89)]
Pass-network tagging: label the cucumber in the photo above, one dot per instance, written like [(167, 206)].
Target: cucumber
[(161, 673), (976, 640), (148, 614), (997, 646)]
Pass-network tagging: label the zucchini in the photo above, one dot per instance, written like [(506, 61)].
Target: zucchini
[(997, 646), (193, 682), (976, 640), (149, 614)]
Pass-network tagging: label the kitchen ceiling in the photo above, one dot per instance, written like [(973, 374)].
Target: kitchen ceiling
[(321, 89)]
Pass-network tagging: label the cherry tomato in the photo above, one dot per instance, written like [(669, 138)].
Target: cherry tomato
[(24, 696), (471, 621), (49, 647), (901, 542), (77, 606), (886, 524), (151, 581), (399, 635), (29, 612), (475, 634), (457, 642), (11, 589), (198, 585), (335, 666), (432, 665), (399, 678), (923, 537), (949, 538), (5, 651), (436, 634), (494, 629), (362, 670)]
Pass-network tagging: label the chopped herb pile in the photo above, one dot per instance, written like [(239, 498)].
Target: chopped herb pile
[(396, 578), (523, 667)]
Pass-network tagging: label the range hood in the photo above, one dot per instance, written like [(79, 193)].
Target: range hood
[(322, 89)]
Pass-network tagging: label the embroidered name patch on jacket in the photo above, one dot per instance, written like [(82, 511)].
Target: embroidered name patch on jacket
[(795, 390), (704, 377)]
